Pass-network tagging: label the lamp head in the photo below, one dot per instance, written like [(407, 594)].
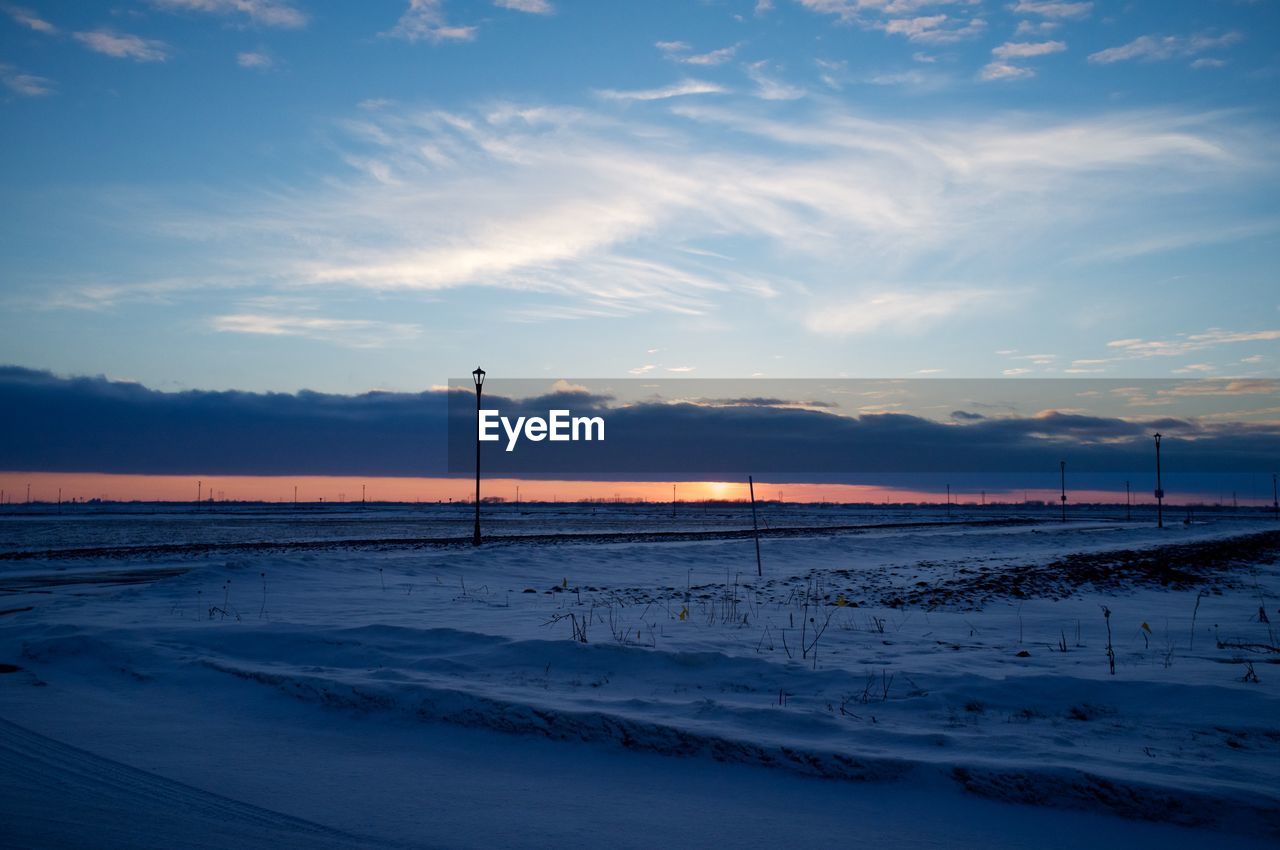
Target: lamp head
[(478, 375)]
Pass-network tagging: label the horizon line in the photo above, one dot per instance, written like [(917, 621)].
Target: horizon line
[(52, 488)]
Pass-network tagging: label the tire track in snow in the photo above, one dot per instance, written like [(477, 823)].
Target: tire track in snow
[(56, 795)]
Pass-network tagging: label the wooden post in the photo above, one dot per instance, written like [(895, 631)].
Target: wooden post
[(1062, 470), (755, 528), (1159, 493)]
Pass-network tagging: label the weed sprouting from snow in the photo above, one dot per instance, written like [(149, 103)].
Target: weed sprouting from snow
[(875, 688), (1194, 611), (1262, 607), (578, 624), (819, 629), (1111, 653), (225, 610)]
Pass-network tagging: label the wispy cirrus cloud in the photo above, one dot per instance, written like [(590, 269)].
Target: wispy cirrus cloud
[(120, 45), (1004, 71), (1156, 48), (856, 10), (255, 60), (681, 89), (1003, 57), (1052, 9), (29, 19), (351, 333), (533, 7), (1138, 246), (617, 210), (1035, 29), (934, 29), (1188, 342), (898, 17), (425, 20), (769, 87), (1207, 62), (23, 84), (679, 51), (901, 311), (1025, 50), (268, 13)]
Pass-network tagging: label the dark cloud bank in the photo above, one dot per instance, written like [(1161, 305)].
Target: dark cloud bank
[(57, 424)]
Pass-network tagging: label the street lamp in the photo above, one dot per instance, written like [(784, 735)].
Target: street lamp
[(478, 375), (1159, 488)]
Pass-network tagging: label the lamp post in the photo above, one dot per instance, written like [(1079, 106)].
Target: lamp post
[(1159, 488), (478, 375)]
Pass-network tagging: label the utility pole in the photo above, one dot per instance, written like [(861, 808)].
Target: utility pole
[(199, 492), (1275, 502), (362, 486), (1160, 489), (673, 501), (755, 529), (1128, 509), (948, 501), (1062, 472), (295, 495)]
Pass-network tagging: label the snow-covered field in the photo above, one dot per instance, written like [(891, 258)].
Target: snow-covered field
[(910, 683)]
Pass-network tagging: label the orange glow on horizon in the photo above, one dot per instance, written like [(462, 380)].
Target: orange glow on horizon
[(84, 486)]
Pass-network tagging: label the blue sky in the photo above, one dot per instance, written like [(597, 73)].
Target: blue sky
[(271, 195)]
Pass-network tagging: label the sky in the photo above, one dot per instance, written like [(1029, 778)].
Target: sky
[(275, 195)]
